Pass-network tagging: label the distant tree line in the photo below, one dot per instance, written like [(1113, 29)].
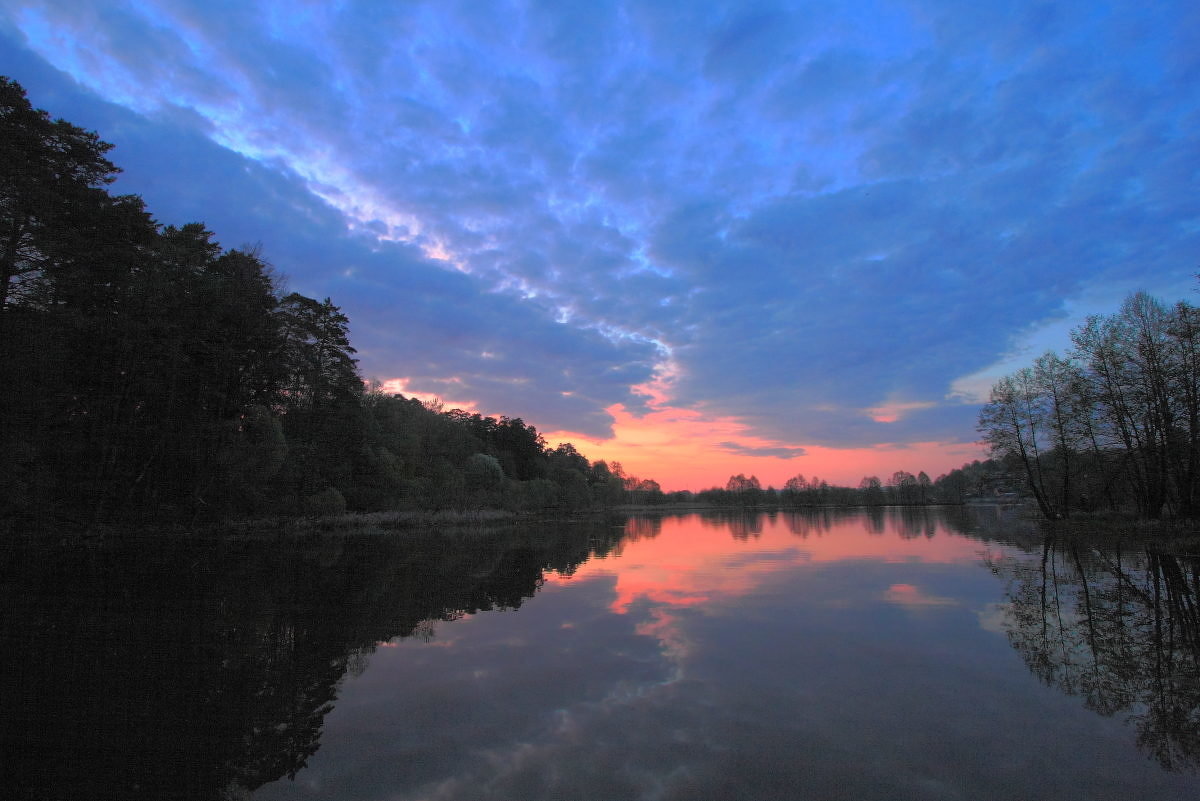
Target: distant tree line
[(1115, 423), (147, 374), (977, 480)]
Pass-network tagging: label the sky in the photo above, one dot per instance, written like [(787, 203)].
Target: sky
[(698, 238)]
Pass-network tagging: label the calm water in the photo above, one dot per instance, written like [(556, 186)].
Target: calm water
[(834, 655)]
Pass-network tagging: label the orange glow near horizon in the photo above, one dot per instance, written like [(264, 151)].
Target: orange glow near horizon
[(680, 449)]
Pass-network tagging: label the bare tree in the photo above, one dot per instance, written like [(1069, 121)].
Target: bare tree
[(1013, 424)]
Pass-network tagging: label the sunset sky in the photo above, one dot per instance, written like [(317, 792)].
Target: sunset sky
[(700, 238)]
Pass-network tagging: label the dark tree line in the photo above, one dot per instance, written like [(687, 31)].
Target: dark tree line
[(974, 480), (1114, 424), (148, 374), (416, 456)]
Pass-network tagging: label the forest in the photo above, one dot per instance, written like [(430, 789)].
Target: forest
[(1112, 426), (147, 374)]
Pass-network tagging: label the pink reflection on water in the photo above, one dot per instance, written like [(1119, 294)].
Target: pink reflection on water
[(691, 560), (914, 597)]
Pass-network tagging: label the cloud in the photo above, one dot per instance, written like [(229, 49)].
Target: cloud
[(748, 450), (410, 315), (752, 41), (806, 217)]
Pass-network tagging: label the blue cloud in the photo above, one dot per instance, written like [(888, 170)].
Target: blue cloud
[(809, 211), (782, 452)]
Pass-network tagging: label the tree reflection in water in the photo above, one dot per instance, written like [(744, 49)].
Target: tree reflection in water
[(168, 667), (1118, 628), (153, 668)]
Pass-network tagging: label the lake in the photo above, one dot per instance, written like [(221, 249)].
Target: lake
[(825, 654)]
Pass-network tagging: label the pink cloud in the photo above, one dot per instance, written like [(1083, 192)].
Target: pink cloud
[(682, 449)]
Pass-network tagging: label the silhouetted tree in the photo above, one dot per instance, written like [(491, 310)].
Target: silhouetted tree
[(46, 167)]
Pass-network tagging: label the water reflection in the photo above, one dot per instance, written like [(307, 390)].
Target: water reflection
[(990, 523), (1118, 628), (811, 653), (163, 668)]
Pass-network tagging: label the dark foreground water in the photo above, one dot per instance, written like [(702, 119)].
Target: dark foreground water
[(835, 655)]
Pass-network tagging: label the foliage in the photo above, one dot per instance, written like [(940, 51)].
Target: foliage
[(147, 374), (1116, 423)]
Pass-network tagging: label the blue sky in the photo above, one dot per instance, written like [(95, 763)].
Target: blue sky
[(805, 228)]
